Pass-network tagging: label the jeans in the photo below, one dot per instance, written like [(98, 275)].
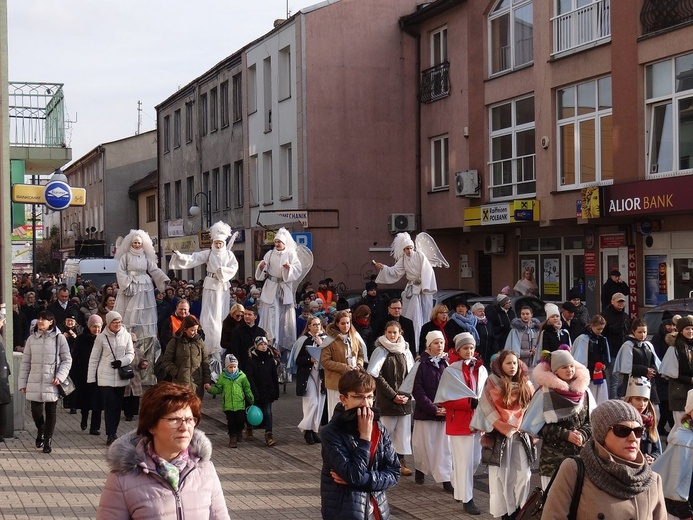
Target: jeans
[(47, 424), (613, 381), (112, 405), (266, 415)]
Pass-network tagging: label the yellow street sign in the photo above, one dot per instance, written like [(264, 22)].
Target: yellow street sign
[(33, 194)]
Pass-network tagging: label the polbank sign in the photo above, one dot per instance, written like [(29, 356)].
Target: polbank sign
[(648, 197)]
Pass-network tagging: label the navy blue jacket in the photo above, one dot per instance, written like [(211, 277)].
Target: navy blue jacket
[(349, 456)]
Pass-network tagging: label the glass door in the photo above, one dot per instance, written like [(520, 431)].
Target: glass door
[(683, 277)]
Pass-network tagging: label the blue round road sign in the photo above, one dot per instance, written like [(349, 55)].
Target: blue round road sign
[(58, 195)]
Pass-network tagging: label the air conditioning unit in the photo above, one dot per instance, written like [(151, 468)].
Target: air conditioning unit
[(468, 184), (400, 222), (494, 244)]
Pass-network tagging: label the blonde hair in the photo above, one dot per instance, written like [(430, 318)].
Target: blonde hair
[(438, 308), (649, 410)]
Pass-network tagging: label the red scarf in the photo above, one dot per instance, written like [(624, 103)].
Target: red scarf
[(375, 439), (363, 322)]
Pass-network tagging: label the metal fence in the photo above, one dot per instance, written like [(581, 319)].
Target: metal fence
[(37, 114)]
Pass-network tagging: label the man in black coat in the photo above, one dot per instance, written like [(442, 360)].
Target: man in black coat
[(60, 307), (615, 332), (569, 322), (375, 303), (394, 313), (243, 337), (612, 286), (500, 315)]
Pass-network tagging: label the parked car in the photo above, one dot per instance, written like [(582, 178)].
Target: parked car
[(653, 317), (448, 297), (353, 296), (536, 304)]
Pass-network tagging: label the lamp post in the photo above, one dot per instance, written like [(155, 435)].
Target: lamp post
[(195, 208)]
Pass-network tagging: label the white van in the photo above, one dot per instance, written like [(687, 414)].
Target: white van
[(99, 270)]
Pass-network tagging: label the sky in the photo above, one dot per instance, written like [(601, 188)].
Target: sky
[(111, 53)]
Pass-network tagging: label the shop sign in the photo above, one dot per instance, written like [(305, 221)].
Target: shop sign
[(495, 214), (632, 282), (175, 228), (647, 197), (523, 210), (613, 240), (590, 263), (183, 244)]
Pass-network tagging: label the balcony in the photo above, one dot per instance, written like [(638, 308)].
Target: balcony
[(37, 126), (586, 26), (658, 15), (435, 83)]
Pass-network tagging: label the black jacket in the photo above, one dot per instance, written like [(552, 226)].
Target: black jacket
[(610, 288), (242, 339), (304, 365), (616, 330), (348, 455), (551, 338), (500, 320), (261, 370)]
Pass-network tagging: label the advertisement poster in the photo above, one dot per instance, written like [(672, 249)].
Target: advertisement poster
[(528, 263), (655, 279), (552, 286)]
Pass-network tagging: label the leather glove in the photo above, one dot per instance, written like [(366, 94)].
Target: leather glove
[(116, 364), (473, 403)]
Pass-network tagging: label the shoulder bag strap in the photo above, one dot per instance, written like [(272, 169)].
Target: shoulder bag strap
[(577, 490), (55, 371), (109, 346)]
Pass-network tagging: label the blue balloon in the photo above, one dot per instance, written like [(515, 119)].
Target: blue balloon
[(254, 415)]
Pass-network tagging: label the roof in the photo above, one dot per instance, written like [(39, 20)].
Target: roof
[(426, 12), (148, 182)]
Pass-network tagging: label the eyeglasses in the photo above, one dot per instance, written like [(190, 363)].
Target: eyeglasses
[(175, 422), (360, 397), (396, 308), (624, 431)]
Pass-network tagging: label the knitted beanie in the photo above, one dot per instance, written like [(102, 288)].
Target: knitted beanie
[(462, 339), (502, 299), (94, 319), (551, 309), (609, 413), (113, 315), (230, 360), (560, 358), (686, 321), (434, 335)]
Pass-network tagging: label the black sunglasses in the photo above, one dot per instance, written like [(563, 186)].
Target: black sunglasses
[(624, 431)]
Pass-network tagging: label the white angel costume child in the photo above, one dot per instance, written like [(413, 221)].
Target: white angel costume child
[(416, 262), (281, 270), (221, 268), (136, 303)]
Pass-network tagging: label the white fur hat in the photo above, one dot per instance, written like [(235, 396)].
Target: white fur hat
[(551, 309), (219, 231), (638, 386)]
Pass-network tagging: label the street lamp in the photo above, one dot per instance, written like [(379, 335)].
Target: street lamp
[(195, 208)]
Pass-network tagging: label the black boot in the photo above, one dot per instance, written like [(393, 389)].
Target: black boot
[(39, 437), (308, 436), (419, 477), (85, 419), (47, 445), (316, 438)]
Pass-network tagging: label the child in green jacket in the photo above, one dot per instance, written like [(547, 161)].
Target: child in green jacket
[(236, 393)]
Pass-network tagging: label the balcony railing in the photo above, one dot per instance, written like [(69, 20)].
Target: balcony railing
[(657, 15), (583, 26), (435, 83), (513, 177), (37, 114)]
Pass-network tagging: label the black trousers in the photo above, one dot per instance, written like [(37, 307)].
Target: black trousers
[(112, 406), (46, 424), (235, 420)]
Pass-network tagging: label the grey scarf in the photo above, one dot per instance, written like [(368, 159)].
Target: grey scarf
[(618, 479)]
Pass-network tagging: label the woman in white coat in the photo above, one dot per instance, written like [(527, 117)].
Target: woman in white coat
[(112, 349), (46, 363)]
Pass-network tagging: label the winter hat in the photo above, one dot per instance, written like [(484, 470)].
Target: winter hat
[(462, 339), (342, 304), (434, 335), (638, 386), (113, 315), (551, 309), (71, 313), (260, 340), (461, 300), (686, 321), (505, 290), (615, 272), (609, 413), (94, 319), (574, 294), (230, 359), (688, 409), (371, 286), (502, 299), (477, 306), (569, 306), (561, 358)]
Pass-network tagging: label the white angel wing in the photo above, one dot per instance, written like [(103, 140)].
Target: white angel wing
[(229, 246), (428, 247), (305, 256)]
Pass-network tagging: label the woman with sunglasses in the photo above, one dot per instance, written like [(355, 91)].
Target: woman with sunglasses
[(618, 482), (46, 363), (164, 468)]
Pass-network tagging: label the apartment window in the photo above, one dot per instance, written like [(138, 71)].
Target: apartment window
[(167, 201), (150, 203), (252, 89), (284, 73), (253, 180), (188, 122), (511, 32), (267, 178), (579, 23), (216, 189), (178, 199), (205, 189), (585, 148), (190, 191), (267, 92), (439, 162), (669, 102), (203, 114), (512, 165), (238, 183), (167, 134), (287, 172), (224, 103), (228, 186), (176, 128), (213, 109), (237, 97)]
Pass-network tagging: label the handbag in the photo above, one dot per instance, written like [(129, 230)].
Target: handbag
[(492, 448), (124, 371), (65, 387), (534, 505)]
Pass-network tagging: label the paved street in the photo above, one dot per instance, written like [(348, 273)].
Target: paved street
[(259, 482)]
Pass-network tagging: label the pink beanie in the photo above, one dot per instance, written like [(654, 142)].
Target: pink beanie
[(94, 319)]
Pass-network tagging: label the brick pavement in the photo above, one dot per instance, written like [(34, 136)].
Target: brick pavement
[(259, 482)]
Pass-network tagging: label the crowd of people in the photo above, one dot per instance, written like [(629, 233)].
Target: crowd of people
[(470, 386)]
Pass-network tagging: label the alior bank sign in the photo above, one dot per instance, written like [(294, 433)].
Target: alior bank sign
[(647, 197)]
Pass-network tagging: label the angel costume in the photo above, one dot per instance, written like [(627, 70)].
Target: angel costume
[(277, 314), (135, 302), (221, 268), (417, 297)]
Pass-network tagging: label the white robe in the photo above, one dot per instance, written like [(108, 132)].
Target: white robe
[(136, 303), (417, 297), (277, 314)]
